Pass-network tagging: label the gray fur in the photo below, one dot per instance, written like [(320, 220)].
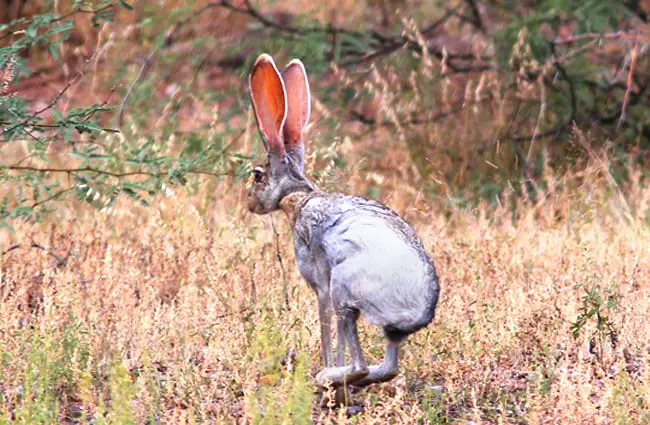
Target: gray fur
[(368, 259)]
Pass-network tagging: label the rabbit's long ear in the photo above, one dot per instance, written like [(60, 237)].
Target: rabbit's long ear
[(298, 110), (269, 102)]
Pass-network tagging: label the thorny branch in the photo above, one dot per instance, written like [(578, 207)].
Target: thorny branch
[(53, 126), (24, 122), (105, 172), (601, 36), (52, 197), (50, 105)]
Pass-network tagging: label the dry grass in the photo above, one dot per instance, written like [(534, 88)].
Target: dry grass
[(191, 310), (180, 308)]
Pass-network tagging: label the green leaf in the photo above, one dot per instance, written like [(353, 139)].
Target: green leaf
[(54, 52), (126, 5), (67, 134)]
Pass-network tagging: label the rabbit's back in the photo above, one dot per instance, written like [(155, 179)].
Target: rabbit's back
[(369, 259)]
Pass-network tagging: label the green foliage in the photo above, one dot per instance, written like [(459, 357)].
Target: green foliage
[(102, 163), (597, 308), (54, 361), (628, 395), (55, 371), (433, 404), (577, 90), (122, 393), (285, 394), (590, 16)]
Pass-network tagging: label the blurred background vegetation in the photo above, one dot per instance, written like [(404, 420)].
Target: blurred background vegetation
[(514, 135), (464, 100)]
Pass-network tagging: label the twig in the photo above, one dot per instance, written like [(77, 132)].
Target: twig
[(368, 56), (11, 249), (477, 21), (542, 110), (552, 132), (630, 82), (52, 197), (285, 282), (107, 130), (60, 261), (145, 66), (99, 171), (413, 121), (604, 36), (434, 25)]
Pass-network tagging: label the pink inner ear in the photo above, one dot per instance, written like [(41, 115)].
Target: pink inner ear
[(269, 102), (298, 102)]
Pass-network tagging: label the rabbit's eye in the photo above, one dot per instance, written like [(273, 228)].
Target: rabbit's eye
[(258, 174)]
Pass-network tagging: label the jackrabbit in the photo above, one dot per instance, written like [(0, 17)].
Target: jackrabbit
[(358, 255)]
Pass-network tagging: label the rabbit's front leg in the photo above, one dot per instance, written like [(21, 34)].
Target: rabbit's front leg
[(343, 375), (325, 317), (340, 342)]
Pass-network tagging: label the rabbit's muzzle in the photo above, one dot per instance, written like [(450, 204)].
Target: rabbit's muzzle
[(253, 205)]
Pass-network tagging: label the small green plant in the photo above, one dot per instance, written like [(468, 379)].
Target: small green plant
[(284, 394), (123, 392), (433, 404), (627, 396), (55, 359), (597, 308)]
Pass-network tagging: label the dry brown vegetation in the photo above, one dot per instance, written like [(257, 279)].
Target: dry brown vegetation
[(180, 308), (191, 309)]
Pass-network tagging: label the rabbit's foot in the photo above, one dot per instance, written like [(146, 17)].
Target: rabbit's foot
[(338, 397), (377, 374), (338, 376)]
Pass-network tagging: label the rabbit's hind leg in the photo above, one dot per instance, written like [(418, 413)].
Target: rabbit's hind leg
[(385, 371)]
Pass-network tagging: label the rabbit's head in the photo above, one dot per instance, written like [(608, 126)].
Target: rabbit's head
[(281, 103)]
